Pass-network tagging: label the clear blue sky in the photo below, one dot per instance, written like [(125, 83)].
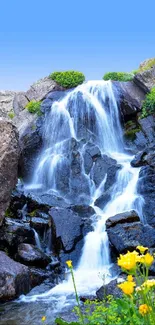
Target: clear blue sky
[(38, 37)]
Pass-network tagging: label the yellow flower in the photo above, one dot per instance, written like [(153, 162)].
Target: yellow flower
[(128, 261), (138, 289), (43, 318), (140, 258), (130, 278), (148, 259), (69, 263), (149, 283), (127, 287), (142, 249), (144, 309)]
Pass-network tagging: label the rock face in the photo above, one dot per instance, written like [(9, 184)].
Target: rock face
[(130, 98), (32, 256), (146, 79), (9, 152), (40, 89), (6, 102), (14, 278), (125, 232)]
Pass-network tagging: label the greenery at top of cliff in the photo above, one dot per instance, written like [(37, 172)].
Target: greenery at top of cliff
[(34, 107), (148, 106), (146, 65), (68, 79), (118, 76)]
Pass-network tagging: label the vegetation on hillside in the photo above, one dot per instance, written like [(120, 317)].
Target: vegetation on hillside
[(118, 76), (148, 106), (68, 79), (34, 107), (146, 65)]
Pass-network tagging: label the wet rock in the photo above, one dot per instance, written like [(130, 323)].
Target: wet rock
[(109, 289), (146, 187), (139, 159), (103, 199), (65, 237), (9, 153), (147, 125), (127, 236), (37, 276), (30, 255), (145, 79), (130, 98), (105, 165), (14, 278), (12, 233), (124, 217), (39, 224)]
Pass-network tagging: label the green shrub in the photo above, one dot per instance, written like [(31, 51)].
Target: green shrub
[(118, 76), (149, 104), (34, 107), (11, 114), (68, 79)]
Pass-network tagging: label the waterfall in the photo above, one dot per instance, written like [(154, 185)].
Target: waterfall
[(37, 239), (89, 112)]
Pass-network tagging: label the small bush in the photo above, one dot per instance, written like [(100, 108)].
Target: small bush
[(118, 76), (149, 104), (11, 114), (34, 107), (68, 79)]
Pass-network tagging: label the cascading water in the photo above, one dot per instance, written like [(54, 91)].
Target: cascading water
[(89, 112)]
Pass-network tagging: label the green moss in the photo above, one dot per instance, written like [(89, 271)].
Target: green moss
[(33, 213), (68, 79), (148, 106), (118, 76), (9, 213), (34, 107), (131, 134), (11, 114)]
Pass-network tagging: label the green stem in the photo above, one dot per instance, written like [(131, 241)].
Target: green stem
[(77, 297)]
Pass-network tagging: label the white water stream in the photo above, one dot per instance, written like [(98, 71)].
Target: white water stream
[(99, 114)]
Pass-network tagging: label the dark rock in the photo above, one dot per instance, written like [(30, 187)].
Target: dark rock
[(130, 98), (65, 237), (146, 187), (30, 255), (13, 233), (125, 217), (105, 165), (39, 224), (14, 278), (145, 79), (139, 159), (127, 236), (148, 127), (9, 153), (109, 289), (37, 276), (103, 199)]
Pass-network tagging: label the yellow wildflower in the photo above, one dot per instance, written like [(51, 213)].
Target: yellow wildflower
[(69, 263), (149, 283), (144, 309), (142, 249), (43, 318), (130, 278), (128, 261), (138, 289), (140, 258), (127, 287), (148, 259)]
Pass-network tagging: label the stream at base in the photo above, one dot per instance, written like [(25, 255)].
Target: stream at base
[(95, 262)]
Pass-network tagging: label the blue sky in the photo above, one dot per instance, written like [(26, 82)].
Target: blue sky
[(38, 37)]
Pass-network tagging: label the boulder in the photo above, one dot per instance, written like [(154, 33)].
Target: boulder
[(31, 255), (105, 165), (126, 236), (6, 102), (129, 97), (9, 152), (120, 218), (109, 289), (145, 79), (14, 278), (13, 232), (40, 89)]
